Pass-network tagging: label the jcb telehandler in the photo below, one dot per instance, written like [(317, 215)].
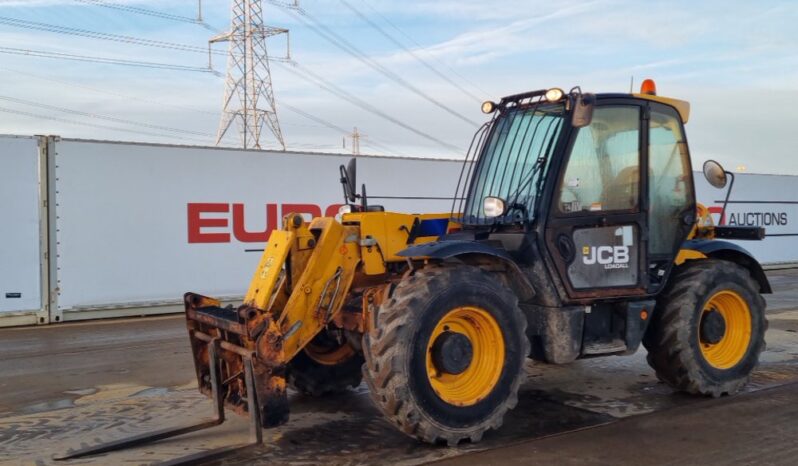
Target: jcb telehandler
[(574, 233)]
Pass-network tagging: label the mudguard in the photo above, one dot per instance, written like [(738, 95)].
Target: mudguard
[(466, 249), (726, 250), (446, 249)]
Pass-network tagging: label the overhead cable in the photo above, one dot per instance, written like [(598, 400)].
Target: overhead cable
[(105, 60), (99, 116), (306, 74), (423, 48), (94, 125), (159, 103), (343, 44), (34, 25), (142, 11), (410, 52)]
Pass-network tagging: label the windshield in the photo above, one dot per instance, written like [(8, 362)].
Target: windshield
[(513, 161)]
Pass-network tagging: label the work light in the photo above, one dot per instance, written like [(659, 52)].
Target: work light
[(493, 206), (554, 94)]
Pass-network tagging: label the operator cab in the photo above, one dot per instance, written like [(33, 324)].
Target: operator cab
[(565, 170)]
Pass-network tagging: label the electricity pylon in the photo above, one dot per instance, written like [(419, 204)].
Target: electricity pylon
[(355, 136), (248, 96)]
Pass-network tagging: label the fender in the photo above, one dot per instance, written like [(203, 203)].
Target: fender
[(725, 250), (477, 253)]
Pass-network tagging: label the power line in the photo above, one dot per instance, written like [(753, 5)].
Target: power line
[(33, 25), (423, 48), (413, 54), (156, 103), (94, 125), (343, 44), (101, 117), (314, 78), (337, 128), (182, 47), (311, 117), (104, 60), (95, 59), (141, 11), (111, 93), (21, 23)]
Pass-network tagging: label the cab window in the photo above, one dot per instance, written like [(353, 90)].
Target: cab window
[(670, 189), (603, 169)]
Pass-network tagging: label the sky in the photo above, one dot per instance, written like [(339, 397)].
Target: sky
[(736, 62)]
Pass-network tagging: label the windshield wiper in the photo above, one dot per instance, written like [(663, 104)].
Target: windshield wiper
[(513, 204)]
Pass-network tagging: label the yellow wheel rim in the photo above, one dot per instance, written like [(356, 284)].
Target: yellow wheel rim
[(329, 356), (482, 374), (733, 345)]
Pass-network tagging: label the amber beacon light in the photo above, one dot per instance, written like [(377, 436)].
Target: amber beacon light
[(648, 87)]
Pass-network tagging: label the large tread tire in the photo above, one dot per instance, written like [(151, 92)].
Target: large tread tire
[(672, 338), (401, 329), (312, 378)]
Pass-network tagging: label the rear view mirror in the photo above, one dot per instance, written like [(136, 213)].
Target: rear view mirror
[(351, 172), (583, 110), (715, 174), (349, 180)]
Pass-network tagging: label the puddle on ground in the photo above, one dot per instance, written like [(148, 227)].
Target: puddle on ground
[(82, 391), (50, 405), (155, 391)]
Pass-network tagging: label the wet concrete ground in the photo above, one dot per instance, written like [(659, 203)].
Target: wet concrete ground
[(77, 384)]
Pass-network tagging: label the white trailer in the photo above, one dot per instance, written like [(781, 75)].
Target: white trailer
[(130, 227), (23, 231)]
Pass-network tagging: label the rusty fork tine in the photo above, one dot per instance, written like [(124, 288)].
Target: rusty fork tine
[(154, 436), (255, 431)]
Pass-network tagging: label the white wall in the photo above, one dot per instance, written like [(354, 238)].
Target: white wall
[(123, 217), (770, 201), (19, 225)]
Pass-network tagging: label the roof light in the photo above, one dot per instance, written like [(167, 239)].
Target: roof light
[(488, 107), (554, 94), (648, 87)]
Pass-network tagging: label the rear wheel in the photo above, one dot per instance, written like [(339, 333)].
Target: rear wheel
[(708, 328), (444, 359), (325, 366)]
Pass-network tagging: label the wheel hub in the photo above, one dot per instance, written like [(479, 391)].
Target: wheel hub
[(712, 327), (452, 353)]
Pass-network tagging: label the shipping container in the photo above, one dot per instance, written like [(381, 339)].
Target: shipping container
[(103, 229)]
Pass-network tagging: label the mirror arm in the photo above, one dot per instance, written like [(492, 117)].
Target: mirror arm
[(728, 193)]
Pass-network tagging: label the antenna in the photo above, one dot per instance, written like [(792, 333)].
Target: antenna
[(632, 84)]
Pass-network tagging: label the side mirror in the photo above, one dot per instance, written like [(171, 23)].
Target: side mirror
[(583, 110), (349, 180), (351, 176), (715, 174)]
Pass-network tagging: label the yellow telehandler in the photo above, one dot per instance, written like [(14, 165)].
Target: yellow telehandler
[(574, 233)]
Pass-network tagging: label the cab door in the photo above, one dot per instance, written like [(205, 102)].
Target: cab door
[(671, 194), (596, 232)]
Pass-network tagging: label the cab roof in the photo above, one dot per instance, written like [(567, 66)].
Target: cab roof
[(681, 106)]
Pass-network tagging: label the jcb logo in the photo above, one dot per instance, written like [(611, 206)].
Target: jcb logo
[(611, 257)]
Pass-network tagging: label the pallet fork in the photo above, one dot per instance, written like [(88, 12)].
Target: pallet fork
[(255, 432)]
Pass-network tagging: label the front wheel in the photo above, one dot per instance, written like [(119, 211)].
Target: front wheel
[(444, 359), (325, 366), (708, 328)]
